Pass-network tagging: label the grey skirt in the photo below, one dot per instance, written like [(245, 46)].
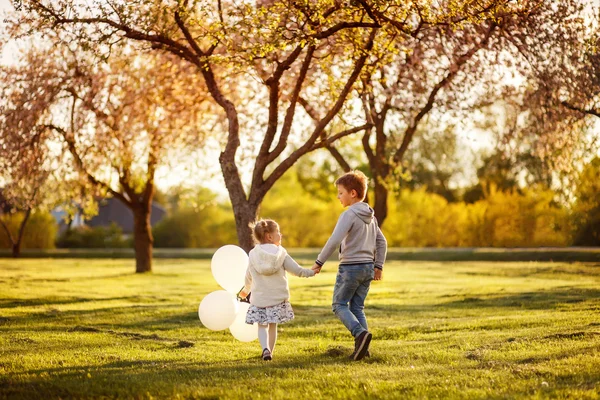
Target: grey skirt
[(277, 314)]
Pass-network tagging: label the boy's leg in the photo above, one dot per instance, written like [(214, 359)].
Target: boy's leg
[(357, 302), (272, 336), (346, 285)]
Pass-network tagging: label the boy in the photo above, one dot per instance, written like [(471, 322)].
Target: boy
[(362, 249)]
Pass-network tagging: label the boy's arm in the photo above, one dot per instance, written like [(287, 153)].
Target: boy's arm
[(290, 265), (380, 249), (339, 233)]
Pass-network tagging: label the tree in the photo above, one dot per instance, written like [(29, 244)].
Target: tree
[(586, 210), (276, 43), (116, 120), (25, 180), (28, 167), (560, 48), (429, 71), (433, 161)]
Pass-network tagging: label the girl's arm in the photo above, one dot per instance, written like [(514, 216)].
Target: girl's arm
[(247, 283), (291, 266)]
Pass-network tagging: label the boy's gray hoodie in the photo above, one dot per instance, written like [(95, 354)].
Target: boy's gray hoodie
[(358, 236)]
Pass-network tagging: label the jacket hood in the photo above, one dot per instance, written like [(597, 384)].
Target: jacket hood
[(266, 263), (363, 211)]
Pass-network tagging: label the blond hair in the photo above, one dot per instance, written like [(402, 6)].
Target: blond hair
[(354, 180), (261, 227)]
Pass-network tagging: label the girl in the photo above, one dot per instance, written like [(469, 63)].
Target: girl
[(266, 280)]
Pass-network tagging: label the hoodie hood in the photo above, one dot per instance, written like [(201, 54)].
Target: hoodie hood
[(266, 263), (363, 211)]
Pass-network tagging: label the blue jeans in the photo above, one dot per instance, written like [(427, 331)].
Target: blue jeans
[(351, 287)]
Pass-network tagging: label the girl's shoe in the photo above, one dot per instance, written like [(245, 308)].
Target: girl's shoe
[(266, 355)]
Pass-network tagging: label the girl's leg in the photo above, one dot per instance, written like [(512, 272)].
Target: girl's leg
[(272, 336), (263, 336)]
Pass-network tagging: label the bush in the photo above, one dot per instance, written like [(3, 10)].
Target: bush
[(304, 220), (40, 230), (212, 226), (586, 210), (422, 219), (100, 237), (502, 219)]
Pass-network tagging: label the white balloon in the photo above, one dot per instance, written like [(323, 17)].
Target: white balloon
[(228, 266), (217, 310), (240, 329)]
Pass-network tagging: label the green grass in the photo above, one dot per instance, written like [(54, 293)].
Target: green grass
[(90, 328), (565, 254)]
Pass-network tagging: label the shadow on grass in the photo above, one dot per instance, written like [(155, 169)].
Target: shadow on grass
[(545, 299), (57, 300), (538, 300), (554, 357), (578, 270), (120, 379)]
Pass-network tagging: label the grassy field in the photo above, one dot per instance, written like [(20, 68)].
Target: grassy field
[(565, 254), (90, 328)]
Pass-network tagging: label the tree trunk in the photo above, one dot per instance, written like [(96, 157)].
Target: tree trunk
[(16, 244), (16, 249), (143, 240), (381, 197), (243, 217)]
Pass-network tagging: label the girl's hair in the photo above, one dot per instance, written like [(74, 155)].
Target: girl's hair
[(261, 227)]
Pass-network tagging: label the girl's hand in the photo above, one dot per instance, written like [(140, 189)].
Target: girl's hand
[(243, 294)]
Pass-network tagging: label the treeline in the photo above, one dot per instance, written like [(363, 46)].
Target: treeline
[(527, 217)]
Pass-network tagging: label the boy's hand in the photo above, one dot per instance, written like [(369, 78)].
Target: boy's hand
[(378, 274), (243, 294), (317, 268)]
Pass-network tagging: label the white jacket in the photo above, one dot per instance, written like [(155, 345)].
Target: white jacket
[(266, 275)]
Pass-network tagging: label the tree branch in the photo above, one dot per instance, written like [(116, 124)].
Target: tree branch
[(454, 69), (344, 25), (188, 35), (262, 159), (580, 109), (327, 142), (312, 113), (310, 144), (10, 236), (367, 148), (291, 110), (162, 41), (23, 224), (79, 164)]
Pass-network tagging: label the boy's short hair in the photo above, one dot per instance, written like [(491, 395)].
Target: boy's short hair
[(261, 227), (354, 180)]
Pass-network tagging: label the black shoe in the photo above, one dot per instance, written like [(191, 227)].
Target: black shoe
[(367, 355), (266, 355), (361, 345)]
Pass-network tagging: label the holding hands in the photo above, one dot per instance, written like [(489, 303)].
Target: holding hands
[(317, 268), (378, 272)]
